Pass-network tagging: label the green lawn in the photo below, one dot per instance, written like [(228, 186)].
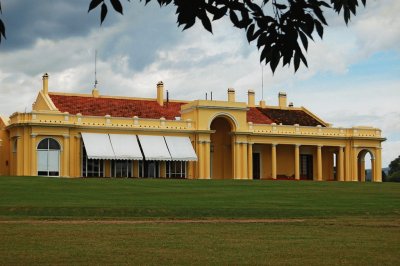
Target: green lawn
[(340, 223)]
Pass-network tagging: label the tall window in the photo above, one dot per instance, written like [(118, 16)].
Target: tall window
[(176, 169), (121, 168), (91, 167), (48, 157)]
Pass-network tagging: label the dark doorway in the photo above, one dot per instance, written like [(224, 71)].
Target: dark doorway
[(256, 166), (149, 169), (221, 143), (306, 166)]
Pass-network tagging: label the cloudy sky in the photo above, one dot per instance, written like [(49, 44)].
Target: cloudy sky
[(353, 76)]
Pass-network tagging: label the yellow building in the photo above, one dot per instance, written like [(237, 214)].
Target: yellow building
[(92, 135)]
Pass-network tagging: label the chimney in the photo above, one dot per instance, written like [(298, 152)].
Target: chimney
[(95, 93), (262, 104), (251, 98), (160, 93), (45, 79), (231, 95), (282, 99)]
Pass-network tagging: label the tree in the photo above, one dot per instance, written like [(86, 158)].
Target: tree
[(2, 28), (384, 176), (394, 170), (281, 28), (394, 166)]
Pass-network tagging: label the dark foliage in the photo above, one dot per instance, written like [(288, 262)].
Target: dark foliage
[(394, 170), (384, 177), (281, 29), (395, 177), (394, 166), (2, 28)]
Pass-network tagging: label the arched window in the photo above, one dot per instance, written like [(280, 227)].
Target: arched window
[(48, 157)]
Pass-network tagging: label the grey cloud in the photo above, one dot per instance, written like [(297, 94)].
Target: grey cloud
[(27, 21), (144, 31)]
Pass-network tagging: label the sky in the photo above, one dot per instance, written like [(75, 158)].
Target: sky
[(352, 79)]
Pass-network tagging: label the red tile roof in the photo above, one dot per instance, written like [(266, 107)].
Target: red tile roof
[(115, 107), (290, 117), (151, 109)]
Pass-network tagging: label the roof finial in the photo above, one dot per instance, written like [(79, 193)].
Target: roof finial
[(95, 69), (262, 82)]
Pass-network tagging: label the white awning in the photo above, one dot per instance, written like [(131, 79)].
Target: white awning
[(154, 148), (125, 147), (98, 146), (180, 148)]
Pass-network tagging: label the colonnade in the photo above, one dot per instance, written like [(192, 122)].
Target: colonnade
[(242, 161)]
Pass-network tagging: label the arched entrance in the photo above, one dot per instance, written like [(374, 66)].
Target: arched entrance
[(363, 157), (48, 157), (221, 148)]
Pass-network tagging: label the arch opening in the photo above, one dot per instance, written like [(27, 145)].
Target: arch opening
[(221, 156), (365, 166), (48, 157)]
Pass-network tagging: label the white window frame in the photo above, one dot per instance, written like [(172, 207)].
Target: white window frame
[(48, 152)]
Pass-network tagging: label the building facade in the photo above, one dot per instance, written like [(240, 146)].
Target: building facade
[(92, 135)]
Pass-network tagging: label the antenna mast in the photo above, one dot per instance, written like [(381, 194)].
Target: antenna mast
[(262, 82), (95, 69)]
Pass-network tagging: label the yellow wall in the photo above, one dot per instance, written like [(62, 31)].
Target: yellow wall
[(207, 124), (285, 160), (4, 151)]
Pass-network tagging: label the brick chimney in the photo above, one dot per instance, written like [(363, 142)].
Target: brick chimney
[(45, 87), (282, 99), (231, 95), (160, 93), (251, 98)]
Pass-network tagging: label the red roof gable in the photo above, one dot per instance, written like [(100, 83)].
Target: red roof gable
[(290, 117), (115, 107), (257, 117)]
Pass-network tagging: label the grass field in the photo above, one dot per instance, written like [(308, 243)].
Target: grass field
[(118, 221)]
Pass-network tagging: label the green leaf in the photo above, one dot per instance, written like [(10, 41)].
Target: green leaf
[(250, 33), (234, 18), (320, 28), (220, 13), (94, 3), (254, 7), (205, 20), (117, 6), (2, 30), (304, 40), (296, 62), (275, 58), (103, 12), (280, 6)]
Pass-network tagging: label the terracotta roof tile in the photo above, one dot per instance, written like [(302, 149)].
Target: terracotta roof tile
[(115, 107), (151, 109), (290, 117), (257, 117)]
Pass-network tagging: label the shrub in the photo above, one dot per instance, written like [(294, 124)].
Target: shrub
[(395, 177)]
